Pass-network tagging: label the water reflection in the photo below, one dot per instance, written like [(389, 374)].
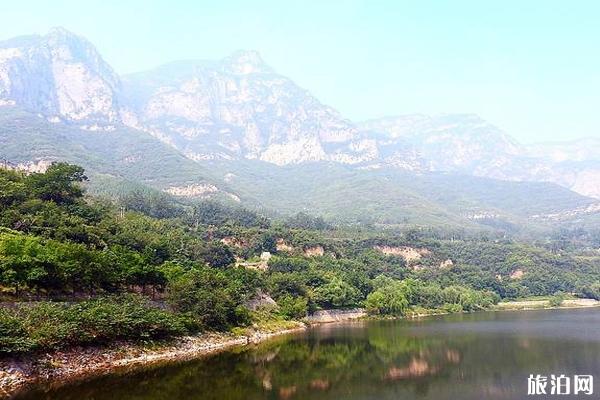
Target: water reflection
[(476, 356)]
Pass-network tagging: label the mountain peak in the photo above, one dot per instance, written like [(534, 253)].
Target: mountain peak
[(59, 31), (245, 62), (66, 44), (58, 74)]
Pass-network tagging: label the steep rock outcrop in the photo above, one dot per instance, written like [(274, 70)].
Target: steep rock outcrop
[(240, 108), (59, 75)]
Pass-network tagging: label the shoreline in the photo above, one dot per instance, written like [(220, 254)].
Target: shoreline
[(59, 368), (532, 305)]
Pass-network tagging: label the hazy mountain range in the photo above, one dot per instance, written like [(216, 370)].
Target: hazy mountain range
[(60, 99)]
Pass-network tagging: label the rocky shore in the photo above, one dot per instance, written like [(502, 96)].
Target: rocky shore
[(327, 316), (76, 363), (545, 304), (61, 367)]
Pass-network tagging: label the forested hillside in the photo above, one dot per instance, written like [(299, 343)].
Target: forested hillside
[(82, 270), (382, 196)]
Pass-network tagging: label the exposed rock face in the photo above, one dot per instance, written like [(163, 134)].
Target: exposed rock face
[(261, 300), (448, 142), (325, 316), (315, 251), (469, 145), (410, 254), (234, 242), (282, 245), (59, 75), (517, 274), (574, 164), (30, 167), (240, 108), (194, 190)]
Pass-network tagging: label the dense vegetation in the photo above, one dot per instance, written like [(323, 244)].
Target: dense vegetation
[(46, 325), (84, 270), (335, 191)]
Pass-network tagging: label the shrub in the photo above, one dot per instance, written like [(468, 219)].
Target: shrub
[(556, 300), (48, 325), (13, 335), (452, 308), (291, 307), (337, 293), (591, 291), (209, 298), (389, 300), (287, 264), (124, 317)]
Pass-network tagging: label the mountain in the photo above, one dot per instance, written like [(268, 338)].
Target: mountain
[(462, 143), (467, 144), (114, 160), (59, 75), (574, 164), (585, 149), (391, 196), (237, 130), (236, 108), (240, 108)]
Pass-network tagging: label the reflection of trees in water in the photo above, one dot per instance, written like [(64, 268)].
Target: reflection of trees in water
[(332, 363), (377, 361), (380, 357)]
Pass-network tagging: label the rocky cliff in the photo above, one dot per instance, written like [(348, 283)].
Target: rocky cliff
[(59, 75), (240, 108)]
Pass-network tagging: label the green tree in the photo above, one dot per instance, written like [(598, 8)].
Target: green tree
[(58, 184), (291, 307), (337, 293), (388, 300), (217, 255), (12, 187), (287, 264), (204, 294)]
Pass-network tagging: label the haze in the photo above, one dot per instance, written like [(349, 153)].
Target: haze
[(531, 68)]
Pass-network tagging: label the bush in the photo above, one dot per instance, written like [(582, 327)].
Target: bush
[(209, 298), (292, 307), (337, 293), (13, 335), (217, 255), (287, 264), (394, 297), (591, 291), (429, 296), (46, 325), (452, 308), (128, 316), (388, 300), (556, 300)]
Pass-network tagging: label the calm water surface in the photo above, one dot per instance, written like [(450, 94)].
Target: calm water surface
[(469, 356)]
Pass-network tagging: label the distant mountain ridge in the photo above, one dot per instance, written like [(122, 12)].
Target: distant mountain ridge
[(239, 108), (467, 144)]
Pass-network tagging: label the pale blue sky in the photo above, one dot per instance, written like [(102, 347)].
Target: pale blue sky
[(530, 67)]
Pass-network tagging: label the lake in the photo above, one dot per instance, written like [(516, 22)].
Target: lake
[(486, 355)]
